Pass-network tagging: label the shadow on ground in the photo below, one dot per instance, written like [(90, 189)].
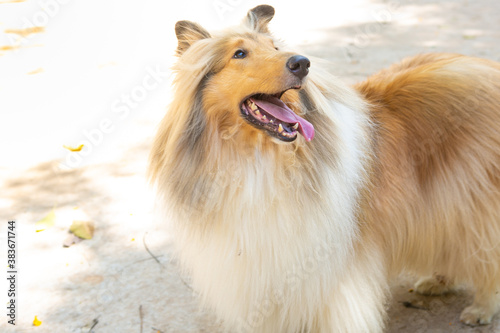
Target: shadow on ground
[(114, 280)]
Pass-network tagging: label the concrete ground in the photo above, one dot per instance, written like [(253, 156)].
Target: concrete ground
[(97, 74)]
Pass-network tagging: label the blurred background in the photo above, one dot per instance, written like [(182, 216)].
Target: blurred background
[(96, 73)]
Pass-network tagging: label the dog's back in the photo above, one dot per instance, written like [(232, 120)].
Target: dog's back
[(435, 203)]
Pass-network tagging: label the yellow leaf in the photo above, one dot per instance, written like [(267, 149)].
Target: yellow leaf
[(36, 71), (73, 148), (469, 37), (25, 32), (36, 322), (8, 48), (47, 222), (82, 229)]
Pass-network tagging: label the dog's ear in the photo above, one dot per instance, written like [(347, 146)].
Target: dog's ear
[(187, 33), (259, 17)]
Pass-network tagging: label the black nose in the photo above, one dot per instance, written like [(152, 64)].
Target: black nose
[(298, 65)]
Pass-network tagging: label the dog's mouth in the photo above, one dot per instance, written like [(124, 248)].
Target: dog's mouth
[(270, 113)]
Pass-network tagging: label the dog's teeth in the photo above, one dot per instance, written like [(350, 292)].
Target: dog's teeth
[(295, 126), (280, 128), (257, 112), (271, 121), (264, 117)]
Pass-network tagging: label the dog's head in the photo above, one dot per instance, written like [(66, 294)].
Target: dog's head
[(248, 83)]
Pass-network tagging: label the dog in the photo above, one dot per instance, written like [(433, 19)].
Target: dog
[(294, 199)]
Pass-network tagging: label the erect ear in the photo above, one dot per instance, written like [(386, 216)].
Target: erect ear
[(187, 33), (259, 17)]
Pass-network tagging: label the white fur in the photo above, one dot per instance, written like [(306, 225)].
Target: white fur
[(284, 254)]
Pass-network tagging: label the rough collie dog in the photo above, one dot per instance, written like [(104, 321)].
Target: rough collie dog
[(293, 199)]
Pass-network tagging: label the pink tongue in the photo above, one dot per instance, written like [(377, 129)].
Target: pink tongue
[(276, 108)]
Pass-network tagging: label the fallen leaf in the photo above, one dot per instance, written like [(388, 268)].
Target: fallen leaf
[(82, 229), (36, 71), (93, 279), (469, 37), (47, 222), (36, 322), (25, 32), (111, 63), (7, 48), (72, 148)]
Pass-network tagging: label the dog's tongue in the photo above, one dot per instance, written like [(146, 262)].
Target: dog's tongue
[(276, 108)]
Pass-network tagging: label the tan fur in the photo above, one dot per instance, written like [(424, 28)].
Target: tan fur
[(402, 175), (435, 203)]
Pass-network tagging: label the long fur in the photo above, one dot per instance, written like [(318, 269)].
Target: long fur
[(402, 175)]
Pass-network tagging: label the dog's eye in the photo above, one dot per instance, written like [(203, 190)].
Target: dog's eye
[(240, 54), (276, 48)]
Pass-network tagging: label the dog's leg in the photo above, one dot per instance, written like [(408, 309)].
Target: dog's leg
[(486, 305), (434, 285)]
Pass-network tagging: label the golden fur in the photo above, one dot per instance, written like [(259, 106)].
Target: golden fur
[(403, 174)]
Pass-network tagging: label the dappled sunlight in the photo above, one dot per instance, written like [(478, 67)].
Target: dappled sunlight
[(95, 77), (394, 30), (92, 278)]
